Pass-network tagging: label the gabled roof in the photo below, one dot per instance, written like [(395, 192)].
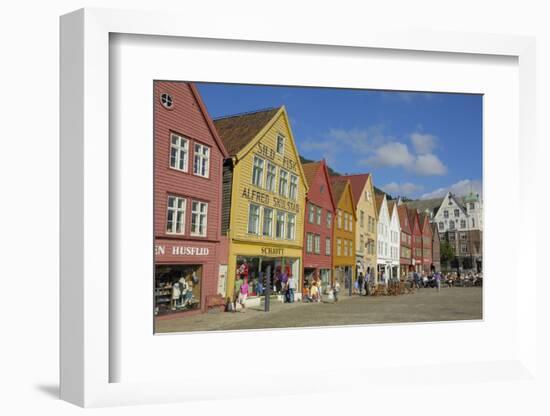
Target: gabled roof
[(238, 130), (311, 170), (209, 122), (423, 220), (403, 214), (435, 230), (338, 189), (379, 201), (390, 207), (413, 215), (357, 183)]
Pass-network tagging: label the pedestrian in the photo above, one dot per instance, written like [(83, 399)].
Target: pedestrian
[(319, 290), (314, 292), (336, 290), (291, 287), (416, 279), (238, 283), (437, 277), (367, 281), (360, 282), (243, 294)]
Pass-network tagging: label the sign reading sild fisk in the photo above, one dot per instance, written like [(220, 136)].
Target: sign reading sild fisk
[(182, 251), (265, 199), (269, 153)]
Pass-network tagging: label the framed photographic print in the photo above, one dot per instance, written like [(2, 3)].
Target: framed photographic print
[(253, 205)]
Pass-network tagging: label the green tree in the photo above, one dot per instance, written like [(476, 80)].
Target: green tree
[(447, 252)]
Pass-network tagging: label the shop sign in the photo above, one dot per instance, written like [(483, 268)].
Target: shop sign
[(269, 153), (182, 251), (265, 199), (272, 251)]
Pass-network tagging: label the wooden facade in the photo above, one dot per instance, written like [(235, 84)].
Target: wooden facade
[(427, 235), (405, 240)]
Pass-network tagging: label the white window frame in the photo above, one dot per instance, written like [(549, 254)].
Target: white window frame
[(203, 158), (179, 148), (310, 213), (318, 215), (309, 243), (293, 187), (276, 224), (257, 230), (339, 220), (328, 247), (264, 223), (261, 176), (199, 214), (175, 215), (283, 174), (317, 244), (329, 219), (288, 223), (338, 246), (280, 136), (267, 175)]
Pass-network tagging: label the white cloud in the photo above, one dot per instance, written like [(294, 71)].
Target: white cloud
[(423, 143), (429, 164), (391, 154), (403, 189), (460, 188)]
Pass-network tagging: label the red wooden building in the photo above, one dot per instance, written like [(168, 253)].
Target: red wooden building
[(319, 223), (416, 234), (188, 159), (427, 235), (405, 248)]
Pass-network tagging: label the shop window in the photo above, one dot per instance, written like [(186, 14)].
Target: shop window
[(293, 190), (175, 222), (283, 183), (267, 229), (257, 171), (201, 166), (280, 225), (253, 219), (177, 288), (319, 215), (178, 152), (199, 216), (317, 243), (327, 246), (270, 177), (290, 226), (280, 144)]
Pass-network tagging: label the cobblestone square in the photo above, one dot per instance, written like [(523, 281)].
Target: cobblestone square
[(450, 304)]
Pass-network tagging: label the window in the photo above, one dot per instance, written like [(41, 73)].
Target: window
[(267, 228), (258, 172), (339, 218), (367, 196), (457, 213), (452, 236), (327, 246), (253, 219), (451, 225), (290, 226), (472, 205), (175, 222), (280, 225), (283, 182), (463, 236), (199, 214), (361, 243), (473, 223), (441, 226), (280, 144), (270, 178), (319, 214), (293, 190), (311, 213), (446, 214), (309, 243), (462, 223), (329, 219), (317, 241), (338, 247), (345, 247), (202, 160), (371, 225), (178, 152), (463, 248), (362, 219), (166, 100), (345, 221)]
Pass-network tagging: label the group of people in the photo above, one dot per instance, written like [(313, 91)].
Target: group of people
[(423, 280)]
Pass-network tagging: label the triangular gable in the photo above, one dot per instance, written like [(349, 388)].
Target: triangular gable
[(329, 185), (246, 149), (456, 203)]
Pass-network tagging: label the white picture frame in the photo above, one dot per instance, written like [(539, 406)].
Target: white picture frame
[(86, 332)]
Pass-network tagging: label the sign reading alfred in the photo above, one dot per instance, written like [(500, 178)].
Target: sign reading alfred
[(265, 199), (182, 251)]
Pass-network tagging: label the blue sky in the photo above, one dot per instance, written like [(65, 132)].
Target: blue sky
[(415, 144)]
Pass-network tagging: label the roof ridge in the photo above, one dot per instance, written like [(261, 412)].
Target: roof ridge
[(246, 113)]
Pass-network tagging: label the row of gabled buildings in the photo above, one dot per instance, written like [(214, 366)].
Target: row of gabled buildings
[(233, 199)]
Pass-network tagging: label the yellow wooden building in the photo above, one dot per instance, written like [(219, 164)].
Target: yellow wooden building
[(264, 190), (344, 235)]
